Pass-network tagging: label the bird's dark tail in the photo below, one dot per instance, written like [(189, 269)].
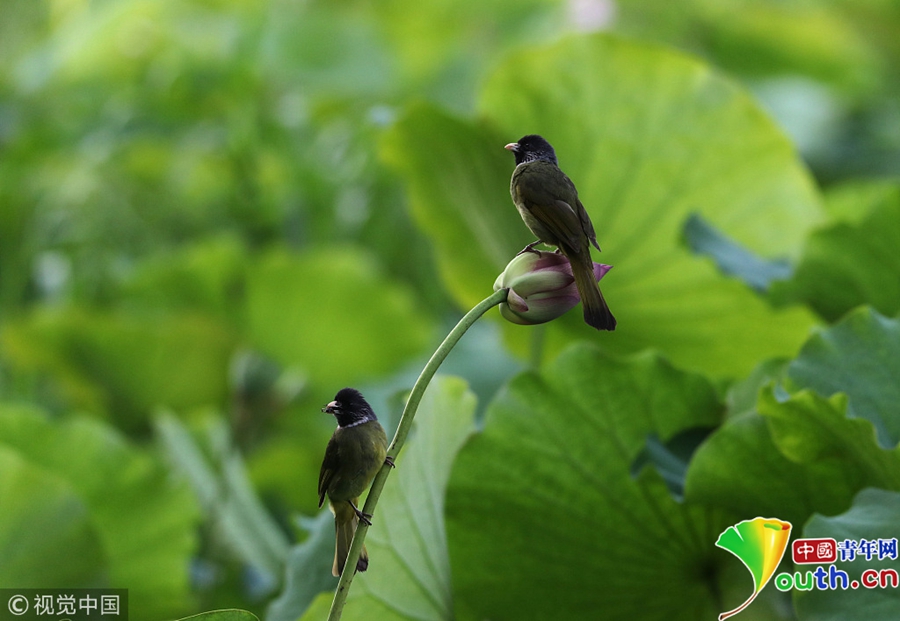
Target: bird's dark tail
[(596, 312), (345, 523)]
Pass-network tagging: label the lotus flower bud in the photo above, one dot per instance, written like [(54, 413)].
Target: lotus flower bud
[(541, 287)]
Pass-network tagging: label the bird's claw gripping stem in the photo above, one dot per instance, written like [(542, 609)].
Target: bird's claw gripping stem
[(365, 518), (530, 248)]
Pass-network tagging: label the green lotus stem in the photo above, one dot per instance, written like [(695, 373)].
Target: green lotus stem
[(406, 419)]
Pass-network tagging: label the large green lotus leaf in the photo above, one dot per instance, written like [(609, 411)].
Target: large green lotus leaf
[(848, 264), (144, 522), (409, 570), (546, 521), (792, 455), (860, 356), (808, 428), (874, 515), (126, 363), (650, 137), (41, 517), (739, 468), (332, 314)]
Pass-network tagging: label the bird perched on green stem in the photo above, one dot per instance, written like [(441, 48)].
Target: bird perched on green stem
[(353, 457), (548, 203)]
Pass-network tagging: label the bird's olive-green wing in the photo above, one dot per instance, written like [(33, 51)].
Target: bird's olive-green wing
[(586, 225), (549, 194), (329, 468)]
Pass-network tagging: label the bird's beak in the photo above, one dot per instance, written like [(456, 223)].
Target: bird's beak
[(329, 409), (512, 146)]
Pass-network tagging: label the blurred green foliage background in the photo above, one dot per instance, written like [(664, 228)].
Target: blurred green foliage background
[(216, 213)]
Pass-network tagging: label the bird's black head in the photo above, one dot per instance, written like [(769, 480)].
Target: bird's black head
[(532, 147), (350, 408)]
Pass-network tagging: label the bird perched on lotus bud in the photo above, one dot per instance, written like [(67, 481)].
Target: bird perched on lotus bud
[(541, 287), (548, 203), (353, 457)]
